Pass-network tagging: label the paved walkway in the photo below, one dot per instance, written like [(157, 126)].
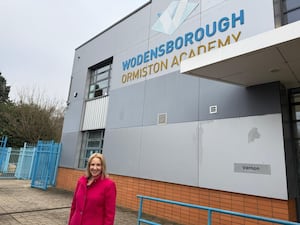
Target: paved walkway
[(22, 205)]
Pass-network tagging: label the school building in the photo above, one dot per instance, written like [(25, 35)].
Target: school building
[(195, 101)]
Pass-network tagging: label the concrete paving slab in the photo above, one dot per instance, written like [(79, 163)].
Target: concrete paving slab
[(22, 205)]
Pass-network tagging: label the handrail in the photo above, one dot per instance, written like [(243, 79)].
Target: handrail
[(210, 210)]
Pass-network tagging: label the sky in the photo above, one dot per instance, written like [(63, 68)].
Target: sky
[(38, 39)]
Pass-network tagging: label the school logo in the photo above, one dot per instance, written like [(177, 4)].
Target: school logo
[(174, 16)]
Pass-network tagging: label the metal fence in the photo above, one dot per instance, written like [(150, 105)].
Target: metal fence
[(209, 210), (45, 164), (25, 162), (38, 163), (9, 161), (3, 142)]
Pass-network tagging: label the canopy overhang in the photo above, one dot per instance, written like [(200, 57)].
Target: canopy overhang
[(267, 57)]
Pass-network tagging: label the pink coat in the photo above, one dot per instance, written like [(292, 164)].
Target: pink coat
[(93, 205)]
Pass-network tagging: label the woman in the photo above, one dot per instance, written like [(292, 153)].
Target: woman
[(94, 200)]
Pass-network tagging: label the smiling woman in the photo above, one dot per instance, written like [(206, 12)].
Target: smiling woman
[(94, 201)]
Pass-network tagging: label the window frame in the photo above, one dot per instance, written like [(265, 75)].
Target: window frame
[(99, 79), (86, 150)]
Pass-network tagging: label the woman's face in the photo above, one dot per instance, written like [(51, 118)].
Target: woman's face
[(95, 167)]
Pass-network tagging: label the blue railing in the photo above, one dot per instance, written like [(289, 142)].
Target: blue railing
[(25, 162), (209, 212), (3, 151)]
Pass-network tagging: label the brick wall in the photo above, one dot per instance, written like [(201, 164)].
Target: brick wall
[(66, 179), (128, 188)]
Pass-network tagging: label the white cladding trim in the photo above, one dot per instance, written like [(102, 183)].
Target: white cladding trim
[(95, 114), (264, 40), (266, 57)]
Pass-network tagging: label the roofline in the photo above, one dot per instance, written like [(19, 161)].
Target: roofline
[(116, 23)]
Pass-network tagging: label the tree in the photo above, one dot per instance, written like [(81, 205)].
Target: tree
[(4, 101), (31, 118), (4, 90)]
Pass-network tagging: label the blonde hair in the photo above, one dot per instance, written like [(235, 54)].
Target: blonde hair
[(103, 165)]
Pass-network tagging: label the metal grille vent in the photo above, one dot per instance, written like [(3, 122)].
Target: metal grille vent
[(162, 118), (213, 109)]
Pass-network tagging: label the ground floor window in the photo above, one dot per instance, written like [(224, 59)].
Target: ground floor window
[(92, 142)]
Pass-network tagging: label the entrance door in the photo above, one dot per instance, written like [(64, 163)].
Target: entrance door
[(294, 102)]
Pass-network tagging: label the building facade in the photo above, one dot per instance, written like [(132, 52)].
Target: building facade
[(193, 101)]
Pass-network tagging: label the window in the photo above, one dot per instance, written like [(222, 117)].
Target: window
[(291, 11), (99, 79), (92, 142)]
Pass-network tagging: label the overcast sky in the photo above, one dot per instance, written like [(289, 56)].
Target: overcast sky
[(38, 39)]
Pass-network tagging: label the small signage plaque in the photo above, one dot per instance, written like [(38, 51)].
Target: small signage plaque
[(252, 168)]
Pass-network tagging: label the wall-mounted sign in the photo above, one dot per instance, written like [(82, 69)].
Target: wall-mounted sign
[(252, 168)]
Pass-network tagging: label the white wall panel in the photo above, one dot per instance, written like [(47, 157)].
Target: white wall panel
[(95, 114), (170, 153), (245, 140), (204, 154), (122, 149)]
